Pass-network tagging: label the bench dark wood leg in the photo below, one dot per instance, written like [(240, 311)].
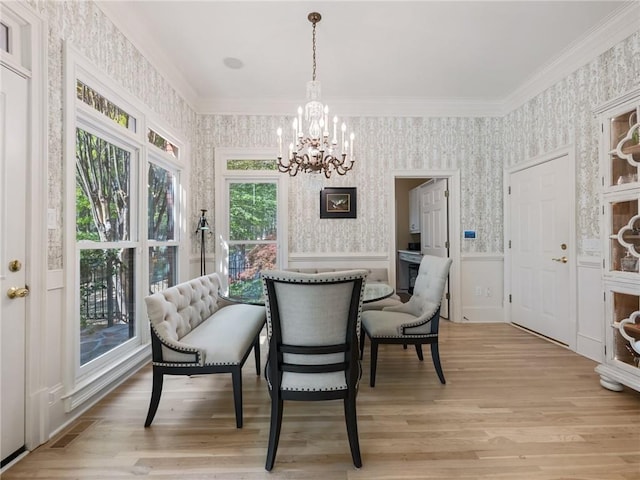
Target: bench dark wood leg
[(256, 352), (419, 351), (236, 376), (156, 391)]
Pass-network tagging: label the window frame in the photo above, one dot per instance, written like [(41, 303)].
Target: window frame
[(82, 382), (164, 160), (223, 178)]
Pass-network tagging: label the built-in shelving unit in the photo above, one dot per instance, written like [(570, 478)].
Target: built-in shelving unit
[(620, 199)]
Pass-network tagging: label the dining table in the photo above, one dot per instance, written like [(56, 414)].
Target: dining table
[(372, 293)]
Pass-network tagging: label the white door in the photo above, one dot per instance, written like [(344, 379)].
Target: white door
[(541, 248), (434, 235), (13, 159)]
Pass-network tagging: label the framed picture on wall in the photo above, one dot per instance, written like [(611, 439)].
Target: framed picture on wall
[(338, 202)]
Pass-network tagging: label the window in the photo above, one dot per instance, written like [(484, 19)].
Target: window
[(253, 233), (104, 240), (161, 225), (250, 195), (123, 184)]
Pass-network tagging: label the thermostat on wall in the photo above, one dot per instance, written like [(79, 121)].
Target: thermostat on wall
[(469, 234)]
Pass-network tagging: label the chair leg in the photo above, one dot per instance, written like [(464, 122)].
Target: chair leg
[(419, 351), (374, 360), (435, 355), (236, 376), (362, 335), (352, 429), (156, 391), (256, 351), (274, 429)]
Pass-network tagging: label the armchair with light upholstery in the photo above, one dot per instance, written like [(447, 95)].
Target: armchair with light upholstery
[(413, 323), (313, 323)]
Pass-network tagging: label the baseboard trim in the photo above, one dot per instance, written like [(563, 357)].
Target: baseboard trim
[(482, 315)]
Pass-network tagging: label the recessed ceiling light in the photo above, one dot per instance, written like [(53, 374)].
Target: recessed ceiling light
[(234, 63)]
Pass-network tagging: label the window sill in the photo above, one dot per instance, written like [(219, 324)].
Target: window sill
[(92, 389)]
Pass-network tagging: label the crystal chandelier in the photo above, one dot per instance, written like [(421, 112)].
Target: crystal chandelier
[(318, 148)]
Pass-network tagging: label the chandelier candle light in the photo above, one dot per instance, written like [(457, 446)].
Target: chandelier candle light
[(314, 150)]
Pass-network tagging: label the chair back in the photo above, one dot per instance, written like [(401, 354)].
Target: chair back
[(313, 326), (430, 283)]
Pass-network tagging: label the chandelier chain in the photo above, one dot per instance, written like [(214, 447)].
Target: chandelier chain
[(314, 51)]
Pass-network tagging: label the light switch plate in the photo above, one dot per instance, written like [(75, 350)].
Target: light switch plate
[(52, 218)]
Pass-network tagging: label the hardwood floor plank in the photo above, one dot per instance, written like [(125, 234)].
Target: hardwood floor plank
[(515, 407)]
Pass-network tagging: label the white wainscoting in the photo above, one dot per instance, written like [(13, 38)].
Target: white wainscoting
[(591, 324), (482, 288), (336, 260), (55, 416)]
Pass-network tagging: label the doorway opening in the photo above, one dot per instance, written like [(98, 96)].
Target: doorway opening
[(407, 241)]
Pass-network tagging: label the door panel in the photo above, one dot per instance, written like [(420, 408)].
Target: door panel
[(13, 159), (540, 225), (434, 235)]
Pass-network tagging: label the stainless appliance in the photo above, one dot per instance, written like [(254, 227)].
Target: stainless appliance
[(409, 265)]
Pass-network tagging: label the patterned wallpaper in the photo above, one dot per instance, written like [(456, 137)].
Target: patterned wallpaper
[(85, 26), (383, 144), (563, 114), (479, 147)]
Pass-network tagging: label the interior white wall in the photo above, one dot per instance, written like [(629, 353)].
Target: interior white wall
[(482, 288)]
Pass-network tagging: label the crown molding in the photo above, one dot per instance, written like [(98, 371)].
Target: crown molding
[(621, 24), (390, 106), (156, 57)]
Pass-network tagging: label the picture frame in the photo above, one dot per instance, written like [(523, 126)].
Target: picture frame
[(338, 202)]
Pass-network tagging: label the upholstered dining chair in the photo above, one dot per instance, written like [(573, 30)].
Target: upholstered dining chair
[(413, 323), (313, 323)]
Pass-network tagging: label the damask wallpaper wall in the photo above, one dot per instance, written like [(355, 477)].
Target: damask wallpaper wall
[(83, 25), (384, 143), (479, 147), (563, 114)]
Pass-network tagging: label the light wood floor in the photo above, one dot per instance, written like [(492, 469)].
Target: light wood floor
[(515, 407)]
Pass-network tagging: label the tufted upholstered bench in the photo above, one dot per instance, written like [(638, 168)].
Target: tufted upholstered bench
[(374, 275), (194, 331)]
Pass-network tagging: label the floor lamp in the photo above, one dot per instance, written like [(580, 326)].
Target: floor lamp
[(203, 227)]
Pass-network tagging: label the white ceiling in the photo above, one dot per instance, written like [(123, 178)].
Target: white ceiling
[(368, 52)]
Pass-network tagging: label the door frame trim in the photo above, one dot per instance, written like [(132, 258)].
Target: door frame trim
[(455, 305), (569, 152), (34, 57)]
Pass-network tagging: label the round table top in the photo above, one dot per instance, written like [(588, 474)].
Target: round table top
[(372, 293)]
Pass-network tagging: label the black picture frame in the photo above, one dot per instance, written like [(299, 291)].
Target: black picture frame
[(338, 202)]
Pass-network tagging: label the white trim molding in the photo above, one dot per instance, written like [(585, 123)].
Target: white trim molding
[(32, 63), (482, 290)]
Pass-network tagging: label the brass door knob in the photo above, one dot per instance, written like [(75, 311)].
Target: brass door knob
[(561, 259), (14, 292)]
